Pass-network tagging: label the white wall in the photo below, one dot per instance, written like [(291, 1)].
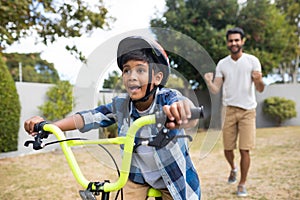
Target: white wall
[(33, 95)]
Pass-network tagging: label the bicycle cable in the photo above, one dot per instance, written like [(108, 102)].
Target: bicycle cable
[(100, 145)]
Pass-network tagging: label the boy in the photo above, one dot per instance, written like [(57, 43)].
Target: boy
[(145, 70)]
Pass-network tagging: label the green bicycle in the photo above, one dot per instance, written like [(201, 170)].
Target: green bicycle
[(104, 188)]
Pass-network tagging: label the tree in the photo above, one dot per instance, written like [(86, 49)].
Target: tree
[(60, 101), (9, 111), (112, 80), (34, 69), (49, 19), (268, 36), (291, 9), (267, 33), (203, 21)]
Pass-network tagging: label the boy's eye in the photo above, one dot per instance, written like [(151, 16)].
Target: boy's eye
[(126, 71), (141, 70)]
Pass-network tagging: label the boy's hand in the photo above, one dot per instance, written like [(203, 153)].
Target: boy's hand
[(29, 124), (179, 113)]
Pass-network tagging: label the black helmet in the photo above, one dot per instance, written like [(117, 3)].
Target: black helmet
[(152, 50)]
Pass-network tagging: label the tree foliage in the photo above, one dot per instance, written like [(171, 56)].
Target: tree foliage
[(34, 69), (268, 35), (60, 101), (113, 80), (10, 109), (49, 19), (291, 11), (279, 109)]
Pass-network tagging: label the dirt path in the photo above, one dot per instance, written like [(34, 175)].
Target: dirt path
[(274, 172)]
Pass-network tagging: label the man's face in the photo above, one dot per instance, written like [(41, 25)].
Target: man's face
[(235, 43), (136, 77)]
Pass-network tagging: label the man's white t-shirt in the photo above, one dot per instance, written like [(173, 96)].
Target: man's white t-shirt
[(238, 87)]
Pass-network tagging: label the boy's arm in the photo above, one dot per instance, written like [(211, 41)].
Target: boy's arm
[(66, 124), (70, 123)]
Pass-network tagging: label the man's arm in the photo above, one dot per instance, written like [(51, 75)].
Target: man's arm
[(258, 82), (214, 85)]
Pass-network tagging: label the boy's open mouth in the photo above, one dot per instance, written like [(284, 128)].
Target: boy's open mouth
[(134, 88)]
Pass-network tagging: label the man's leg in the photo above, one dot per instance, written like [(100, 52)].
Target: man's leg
[(229, 155), (244, 164), (247, 132), (229, 140)]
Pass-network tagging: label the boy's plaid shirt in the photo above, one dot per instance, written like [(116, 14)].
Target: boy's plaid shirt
[(173, 160)]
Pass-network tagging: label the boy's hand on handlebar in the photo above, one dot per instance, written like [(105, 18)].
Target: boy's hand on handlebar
[(29, 124), (178, 113)]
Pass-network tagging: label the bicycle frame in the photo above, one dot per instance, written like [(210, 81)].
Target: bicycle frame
[(105, 187), (128, 142)]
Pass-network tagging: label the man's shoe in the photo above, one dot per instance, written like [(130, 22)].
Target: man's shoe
[(241, 191), (232, 176)]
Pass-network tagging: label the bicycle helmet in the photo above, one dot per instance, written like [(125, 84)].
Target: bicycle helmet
[(152, 52)]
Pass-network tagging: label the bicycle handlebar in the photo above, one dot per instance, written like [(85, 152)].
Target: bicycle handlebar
[(158, 118)]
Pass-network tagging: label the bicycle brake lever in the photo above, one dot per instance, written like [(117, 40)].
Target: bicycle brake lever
[(28, 142), (162, 139), (37, 142)]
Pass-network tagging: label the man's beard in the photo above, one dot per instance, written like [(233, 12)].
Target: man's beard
[(239, 48)]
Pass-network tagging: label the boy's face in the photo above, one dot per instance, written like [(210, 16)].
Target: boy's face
[(136, 77)]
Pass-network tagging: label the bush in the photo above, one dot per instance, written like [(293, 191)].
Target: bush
[(279, 108), (10, 109), (60, 101)]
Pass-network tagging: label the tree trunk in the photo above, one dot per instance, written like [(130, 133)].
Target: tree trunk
[(296, 69)]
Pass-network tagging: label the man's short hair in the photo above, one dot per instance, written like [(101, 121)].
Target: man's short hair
[(234, 31)]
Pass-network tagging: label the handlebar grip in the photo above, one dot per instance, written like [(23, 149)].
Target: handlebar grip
[(197, 113), (39, 128)]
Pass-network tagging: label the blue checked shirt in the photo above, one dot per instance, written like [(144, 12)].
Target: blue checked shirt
[(173, 161)]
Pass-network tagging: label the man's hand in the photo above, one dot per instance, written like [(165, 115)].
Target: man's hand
[(256, 76), (257, 79), (209, 77)]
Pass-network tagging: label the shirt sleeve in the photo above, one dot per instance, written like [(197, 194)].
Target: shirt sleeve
[(218, 70), (256, 64), (101, 116)]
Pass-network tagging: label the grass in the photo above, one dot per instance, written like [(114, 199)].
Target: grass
[(274, 171)]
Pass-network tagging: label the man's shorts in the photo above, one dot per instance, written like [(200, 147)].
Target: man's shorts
[(239, 125)]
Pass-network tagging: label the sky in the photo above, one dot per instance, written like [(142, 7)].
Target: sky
[(129, 14)]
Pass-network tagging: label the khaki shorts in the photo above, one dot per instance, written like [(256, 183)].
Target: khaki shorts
[(139, 192), (239, 125)]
